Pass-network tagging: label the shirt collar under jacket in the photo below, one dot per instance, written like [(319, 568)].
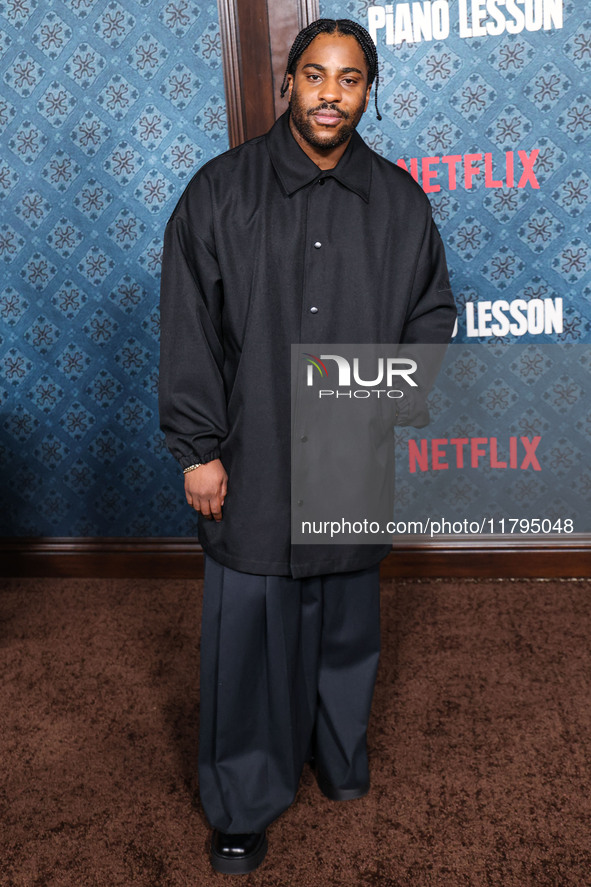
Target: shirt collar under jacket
[(295, 169)]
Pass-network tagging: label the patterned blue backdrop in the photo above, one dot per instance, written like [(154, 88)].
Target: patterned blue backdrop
[(520, 239), (498, 96), (106, 108)]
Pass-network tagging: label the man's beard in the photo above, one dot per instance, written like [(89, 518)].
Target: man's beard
[(301, 120)]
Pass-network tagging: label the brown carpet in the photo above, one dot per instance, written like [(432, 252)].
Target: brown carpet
[(479, 741)]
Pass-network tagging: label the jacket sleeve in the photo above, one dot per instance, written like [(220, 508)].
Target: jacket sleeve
[(431, 312), (428, 327), (191, 395)]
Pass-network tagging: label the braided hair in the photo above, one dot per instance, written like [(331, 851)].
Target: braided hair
[(332, 26)]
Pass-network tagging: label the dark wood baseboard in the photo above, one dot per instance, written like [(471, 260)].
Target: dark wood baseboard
[(171, 558)]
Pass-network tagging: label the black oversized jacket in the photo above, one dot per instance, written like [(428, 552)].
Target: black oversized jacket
[(263, 250)]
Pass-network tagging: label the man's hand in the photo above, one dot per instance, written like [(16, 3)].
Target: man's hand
[(206, 487)]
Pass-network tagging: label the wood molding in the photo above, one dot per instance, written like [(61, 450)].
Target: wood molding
[(308, 11), (228, 18), (285, 22), (178, 558), (493, 557), (256, 75), (246, 56), (256, 38), (101, 557)]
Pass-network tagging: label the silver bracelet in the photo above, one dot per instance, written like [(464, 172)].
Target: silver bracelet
[(191, 467)]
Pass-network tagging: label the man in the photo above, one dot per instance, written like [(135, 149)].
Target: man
[(301, 235)]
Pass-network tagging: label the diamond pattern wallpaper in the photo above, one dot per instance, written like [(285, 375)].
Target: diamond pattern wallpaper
[(107, 107), (491, 113), (106, 110), (496, 129)]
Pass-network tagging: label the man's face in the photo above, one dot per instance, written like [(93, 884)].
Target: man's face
[(329, 92)]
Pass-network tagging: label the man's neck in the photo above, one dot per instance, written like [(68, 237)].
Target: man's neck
[(325, 158)]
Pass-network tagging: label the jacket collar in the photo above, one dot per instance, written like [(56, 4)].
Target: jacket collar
[(295, 169)]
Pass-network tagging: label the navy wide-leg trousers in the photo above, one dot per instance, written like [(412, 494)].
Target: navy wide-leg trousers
[(287, 666)]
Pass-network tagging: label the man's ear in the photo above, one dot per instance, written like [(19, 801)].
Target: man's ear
[(289, 86), (367, 98)]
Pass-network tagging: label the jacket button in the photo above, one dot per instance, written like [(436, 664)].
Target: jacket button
[(313, 310), (303, 438), (317, 244)]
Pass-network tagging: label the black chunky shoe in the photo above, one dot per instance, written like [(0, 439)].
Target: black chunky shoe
[(237, 854)]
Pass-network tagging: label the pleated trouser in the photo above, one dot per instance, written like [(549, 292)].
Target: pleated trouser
[(287, 666)]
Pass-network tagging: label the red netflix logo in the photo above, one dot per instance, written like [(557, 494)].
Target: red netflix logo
[(468, 167), (464, 452)]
